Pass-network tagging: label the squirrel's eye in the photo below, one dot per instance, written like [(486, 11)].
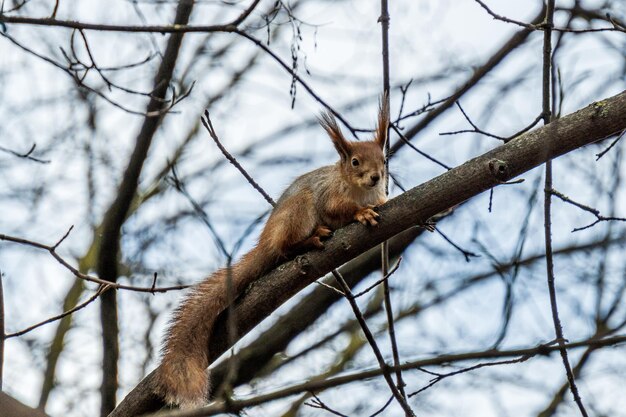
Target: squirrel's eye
[(355, 162)]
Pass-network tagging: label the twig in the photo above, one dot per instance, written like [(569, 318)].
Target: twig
[(77, 79), (383, 407), (601, 154), (510, 45), (467, 254), (330, 287), (547, 27), (297, 78), (54, 11), (86, 277), (425, 108), (26, 155), (173, 28), (474, 130), (506, 19), (154, 280), (317, 403), (546, 109), (440, 377), (405, 140), (404, 89), (524, 130), (383, 279), (594, 211), (202, 215), (239, 20), (370, 338), (97, 294), (384, 247), (206, 121)]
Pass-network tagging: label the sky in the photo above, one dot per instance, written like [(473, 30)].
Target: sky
[(436, 44)]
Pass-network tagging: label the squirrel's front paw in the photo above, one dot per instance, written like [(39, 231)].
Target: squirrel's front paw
[(367, 215)]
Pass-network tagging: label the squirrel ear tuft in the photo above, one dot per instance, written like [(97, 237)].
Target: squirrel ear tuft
[(382, 127), (328, 122)]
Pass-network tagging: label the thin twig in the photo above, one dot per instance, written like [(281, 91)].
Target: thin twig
[(548, 27), (26, 155), (97, 294), (440, 377), (548, 188), (206, 121), (317, 403), (601, 154), (201, 214), (79, 82), (370, 339), (384, 247), (423, 109), (478, 74), (424, 154), (594, 211), (467, 254), (475, 129), (297, 78), (330, 287), (383, 407), (86, 277), (383, 279)]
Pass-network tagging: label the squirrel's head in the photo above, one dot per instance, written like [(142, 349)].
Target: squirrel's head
[(362, 163)]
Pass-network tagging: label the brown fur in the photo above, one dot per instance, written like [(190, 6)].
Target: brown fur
[(310, 208)]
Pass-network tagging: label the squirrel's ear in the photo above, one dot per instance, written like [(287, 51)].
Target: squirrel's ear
[(328, 122), (382, 127)]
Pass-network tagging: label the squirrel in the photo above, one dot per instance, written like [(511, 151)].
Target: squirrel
[(308, 211)]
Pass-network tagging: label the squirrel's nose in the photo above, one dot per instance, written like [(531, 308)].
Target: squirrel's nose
[(375, 178)]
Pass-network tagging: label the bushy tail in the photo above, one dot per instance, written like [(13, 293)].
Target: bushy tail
[(182, 377)]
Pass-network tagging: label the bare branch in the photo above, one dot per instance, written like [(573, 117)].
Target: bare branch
[(206, 121), (26, 155), (547, 110), (52, 250), (416, 205), (233, 406), (80, 306), (594, 211)]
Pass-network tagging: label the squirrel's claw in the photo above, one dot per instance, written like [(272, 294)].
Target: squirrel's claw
[(317, 242), (366, 216), (323, 232)]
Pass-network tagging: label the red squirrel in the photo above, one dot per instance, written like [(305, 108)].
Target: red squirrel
[(308, 211)]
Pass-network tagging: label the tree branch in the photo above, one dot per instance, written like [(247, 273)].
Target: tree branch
[(523, 354), (596, 121)]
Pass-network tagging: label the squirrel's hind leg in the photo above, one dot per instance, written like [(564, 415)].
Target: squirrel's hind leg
[(293, 222), (315, 241)]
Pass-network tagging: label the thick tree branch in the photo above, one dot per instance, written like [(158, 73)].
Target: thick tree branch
[(259, 352), (9, 406), (596, 121)]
